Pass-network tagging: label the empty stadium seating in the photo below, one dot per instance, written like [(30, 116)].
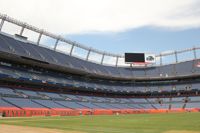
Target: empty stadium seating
[(72, 86), (11, 45), (76, 101), (81, 83)]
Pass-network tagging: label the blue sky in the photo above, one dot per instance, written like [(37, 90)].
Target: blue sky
[(145, 39), (115, 26)]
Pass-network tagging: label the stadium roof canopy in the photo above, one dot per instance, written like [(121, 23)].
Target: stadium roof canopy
[(76, 49)]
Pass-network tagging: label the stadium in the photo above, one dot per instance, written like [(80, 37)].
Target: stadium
[(41, 84)]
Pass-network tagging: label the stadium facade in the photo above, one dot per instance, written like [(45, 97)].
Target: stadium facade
[(40, 81)]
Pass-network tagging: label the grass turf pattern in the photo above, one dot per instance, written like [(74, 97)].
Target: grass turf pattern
[(140, 123)]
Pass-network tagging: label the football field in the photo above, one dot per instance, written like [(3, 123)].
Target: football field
[(140, 123)]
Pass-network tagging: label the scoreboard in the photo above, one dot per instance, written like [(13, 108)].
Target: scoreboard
[(140, 58)]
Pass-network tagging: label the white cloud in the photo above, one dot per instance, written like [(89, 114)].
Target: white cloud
[(80, 16)]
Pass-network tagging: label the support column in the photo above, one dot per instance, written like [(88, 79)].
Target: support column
[(56, 44), (161, 62), (71, 50), (195, 53), (39, 38), (117, 61), (102, 58), (22, 29), (2, 22), (88, 54), (176, 56)]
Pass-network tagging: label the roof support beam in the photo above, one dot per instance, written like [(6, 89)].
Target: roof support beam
[(2, 22), (22, 29), (72, 48), (176, 56), (88, 55), (56, 44), (102, 59), (195, 53), (39, 38), (161, 62), (117, 59)]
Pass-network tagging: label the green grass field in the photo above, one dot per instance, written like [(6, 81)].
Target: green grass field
[(141, 123)]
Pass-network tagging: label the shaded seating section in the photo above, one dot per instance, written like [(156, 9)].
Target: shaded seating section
[(99, 99), (125, 72), (72, 105), (15, 48), (91, 102), (177, 105), (103, 86), (166, 88), (161, 106), (194, 99), (22, 102), (28, 93), (3, 104), (193, 102), (51, 95), (33, 53), (159, 103), (48, 103), (195, 86), (9, 44), (178, 99), (138, 89), (193, 105), (89, 105), (146, 106), (120, 106), (184, 68), (139, 100), (94, 85), (70, 97), (139, 72), (165, 100), (88, 98), (10, 72), (136, 106), (177, 102), (167, 71), (196, 67), (183, 87), (152, 72), (28, 99), (154, 89), (152, 100), (7, 91), (4, 46), (104, 105), (113, 71)]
